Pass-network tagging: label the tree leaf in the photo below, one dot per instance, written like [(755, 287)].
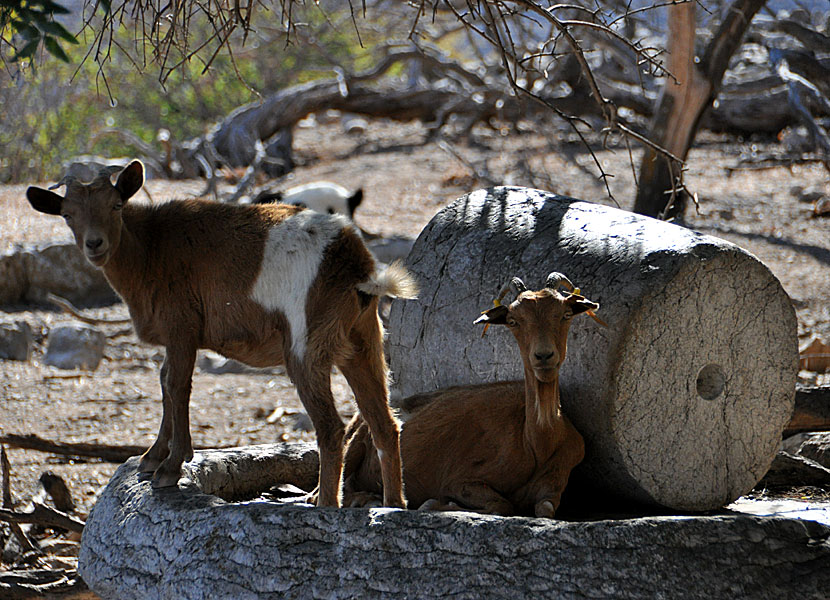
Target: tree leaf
[(56, 29), (54, 49), (27, 51)]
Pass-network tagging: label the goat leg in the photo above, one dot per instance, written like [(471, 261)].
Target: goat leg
[(371, 396), (477, 496), (153, 457), (176, 386), (314, 388)]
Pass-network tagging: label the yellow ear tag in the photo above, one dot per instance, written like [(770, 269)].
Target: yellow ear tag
[(496, 302)]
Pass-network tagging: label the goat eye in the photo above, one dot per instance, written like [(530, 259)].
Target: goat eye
[(511, 322), (117, 206), (67, 218)]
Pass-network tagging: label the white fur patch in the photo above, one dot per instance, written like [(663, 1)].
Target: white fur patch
[(322, 196), (293, 253)]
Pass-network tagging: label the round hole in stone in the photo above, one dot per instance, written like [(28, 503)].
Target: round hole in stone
[(711, 382)]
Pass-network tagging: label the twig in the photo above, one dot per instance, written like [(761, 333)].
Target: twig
[(44, 516), (29, 545), (67, 306), (106, 452)]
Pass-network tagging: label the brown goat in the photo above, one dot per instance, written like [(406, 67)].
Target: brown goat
[(263, 284), (503, 448)]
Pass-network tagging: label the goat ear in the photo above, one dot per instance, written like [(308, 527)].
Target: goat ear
[(580, 304), (130, 180), (44, 201), (495, 316), (354, 201)]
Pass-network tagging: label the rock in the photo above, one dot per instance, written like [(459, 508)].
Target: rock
[(821, 208), (30, 273), (681, 400), (302, 422), (791, 470), (390, 249), (211, 362), (75, 346), (182, 543), (815, 446), (16, 341), (354, 124)]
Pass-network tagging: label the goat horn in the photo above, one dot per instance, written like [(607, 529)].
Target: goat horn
[(66, 180), (555, 280), (516, 285), (106, 173)]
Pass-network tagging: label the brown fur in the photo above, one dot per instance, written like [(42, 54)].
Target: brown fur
[(503, 448), (186, 269)]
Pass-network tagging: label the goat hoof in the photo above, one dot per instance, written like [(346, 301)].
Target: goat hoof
[(545, 509), (431, 504), (396, 503), (148, 464), (165, 480)]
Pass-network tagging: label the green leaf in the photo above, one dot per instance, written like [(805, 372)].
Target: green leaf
[(27, 51), (56, 29), (27, 30), (54, 7), (55, 50)]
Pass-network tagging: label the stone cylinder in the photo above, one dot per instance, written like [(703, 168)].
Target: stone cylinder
[(681, 399)]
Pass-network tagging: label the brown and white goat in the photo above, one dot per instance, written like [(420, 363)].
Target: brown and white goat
[(503, 448), (263, 284)]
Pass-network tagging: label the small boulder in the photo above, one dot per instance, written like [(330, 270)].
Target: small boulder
[(15, 341), (75, 346)]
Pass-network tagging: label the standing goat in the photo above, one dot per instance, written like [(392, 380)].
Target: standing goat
[(502, 448), (265, 285)]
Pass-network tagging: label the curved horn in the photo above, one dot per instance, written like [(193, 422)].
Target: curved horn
[(516, 285), (106, 173), (66, 180), (555, 280)]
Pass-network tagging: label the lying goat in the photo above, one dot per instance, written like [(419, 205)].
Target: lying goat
[(322, 196), (502, 448), (265, 285)]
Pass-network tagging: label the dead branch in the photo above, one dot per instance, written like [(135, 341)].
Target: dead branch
[(41, 583), (105, 452), (28, 544), (68, 307), (44, 516)]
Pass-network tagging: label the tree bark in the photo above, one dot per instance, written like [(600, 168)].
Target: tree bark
[(148, 544), (682, 105)]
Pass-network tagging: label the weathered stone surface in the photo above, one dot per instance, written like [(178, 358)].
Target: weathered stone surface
[(75, 346), (682, 399), (30, 273), (184, 544), (15, 340), (792, 470), (815, 446)]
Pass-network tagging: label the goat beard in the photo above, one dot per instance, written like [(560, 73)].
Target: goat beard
[(547, 399)]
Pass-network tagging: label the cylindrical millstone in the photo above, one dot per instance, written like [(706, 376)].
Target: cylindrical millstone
[(681, 399)]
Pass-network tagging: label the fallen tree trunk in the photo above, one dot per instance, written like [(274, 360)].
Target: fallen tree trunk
[(182, 543)]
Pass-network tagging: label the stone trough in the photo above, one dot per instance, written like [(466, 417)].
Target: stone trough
[(681, 400), (187, 544)]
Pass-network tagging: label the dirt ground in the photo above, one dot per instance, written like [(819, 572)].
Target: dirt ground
[(406, 181)]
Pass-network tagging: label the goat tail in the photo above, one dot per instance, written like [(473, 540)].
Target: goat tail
[(395, 280)]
